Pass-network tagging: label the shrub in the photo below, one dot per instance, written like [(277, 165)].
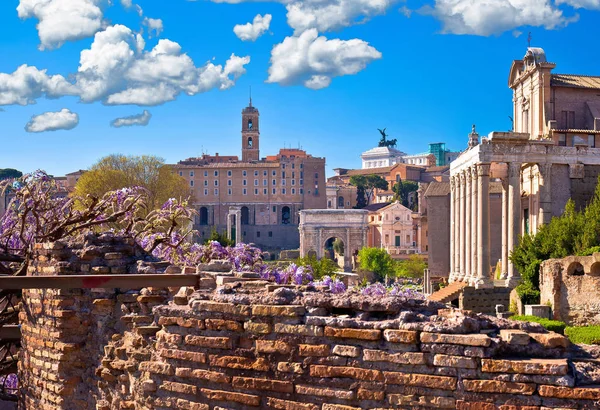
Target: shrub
[(412, 267), (552, 325), (321, 268), (588, 335), (377, 261), (589, 251), (215, 236)]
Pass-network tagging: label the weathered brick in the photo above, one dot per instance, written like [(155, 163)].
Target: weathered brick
[(287, 367), (327, 406), (257, 328), (324, 392), (421, 380), (342, 371), (494, 386), (346, 351), (414, 358), (422, 401), (209, 342), (465, 340), (550, 339), (207, 375), (401, 336), (252, 383), (189, 405), (304, 330), (273, 346), (279, 404), (514, 337), (220, 324), (156, 367), (314, 350), (237, 362), (581, 393), (269, 310), (230, 308), (348, 333), (555, 367), (169, 338), (183, 355), (178, 387), (221, 395), (366, 394), (454, 361)]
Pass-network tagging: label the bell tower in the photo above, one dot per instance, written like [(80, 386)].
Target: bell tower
[(250, 133)]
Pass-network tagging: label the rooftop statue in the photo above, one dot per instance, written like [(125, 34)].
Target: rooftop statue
[(383, 142)]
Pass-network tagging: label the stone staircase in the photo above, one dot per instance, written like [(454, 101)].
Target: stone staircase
[(449, 293)]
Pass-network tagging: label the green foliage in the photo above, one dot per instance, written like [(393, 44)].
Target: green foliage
[(220, 237), (573, 233), (552, 325), (321, 268), (338, 246), (589, 335), (366, 186), (402, 191), (377, 261), (6, 173), (412, 267)]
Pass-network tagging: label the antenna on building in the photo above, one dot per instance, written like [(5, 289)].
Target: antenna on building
[(250, 96), (529, 38)]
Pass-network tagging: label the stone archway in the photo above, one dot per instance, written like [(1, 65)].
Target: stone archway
[(319, 226)]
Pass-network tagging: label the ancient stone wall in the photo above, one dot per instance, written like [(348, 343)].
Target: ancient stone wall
[(243, 346), (484, 300), (572, 287)]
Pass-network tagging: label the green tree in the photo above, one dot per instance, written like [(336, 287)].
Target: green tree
[(338, 246), (321, 267), (120, 171), (219, 237), (412, 267), (366, 186), (377, 261), (402, 191), (6, 173)]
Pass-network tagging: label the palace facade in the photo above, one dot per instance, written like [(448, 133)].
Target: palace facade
[(268, 192)]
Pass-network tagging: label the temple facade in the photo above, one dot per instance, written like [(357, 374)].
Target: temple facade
[(549, 157)]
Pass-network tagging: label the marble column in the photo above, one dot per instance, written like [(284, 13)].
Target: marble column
[(474, 222), (456, 226), (461, 228), (545, 196), (468, 270), (238, 227), (514, 218), (483, 279), (504, 228), (452, 228), (229, 216)]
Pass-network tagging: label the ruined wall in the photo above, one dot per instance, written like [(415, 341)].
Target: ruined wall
[(572, 286), (484, 300), (246, 346)]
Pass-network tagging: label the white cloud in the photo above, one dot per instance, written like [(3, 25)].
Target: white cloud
[(497, 16), (53, 121), (62, 20), (581, 4), (116, 70), (140, 119), (252, 31), (313, 61), (127, 3), (326, 15), (154, 25), (27, 83)]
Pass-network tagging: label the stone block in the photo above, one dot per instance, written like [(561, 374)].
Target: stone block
[(237, 362), (324, 392), (251, 383), (205, 375), (542, 311), (578, 393), (464, 340), (343, 371), (273, 346), (401, 336), (412, 358), (304, 330), (228, 396), (347, 333), (420, 380), (554, 367), (551, 339), (269, 310), (210, 342), (443, 360), (514, 337), (494, 386), (314, 350), (280, 404), (346, 351)]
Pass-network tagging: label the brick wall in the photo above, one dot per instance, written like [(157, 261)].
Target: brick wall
[(484, 300), (244, 347)]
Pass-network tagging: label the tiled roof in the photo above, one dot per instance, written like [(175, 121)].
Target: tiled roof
[(376, 207), (576, 81), (369, 171), (438, 189), (232, 165), (577, 131), (442, 168)]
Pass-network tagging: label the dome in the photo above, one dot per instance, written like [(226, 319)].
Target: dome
[(535, 55)]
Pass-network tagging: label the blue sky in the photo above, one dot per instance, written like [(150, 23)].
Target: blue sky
[(324, 74)]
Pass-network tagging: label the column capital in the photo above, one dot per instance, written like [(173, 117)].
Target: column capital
[(545, 168), (474, 174), (483, 170)]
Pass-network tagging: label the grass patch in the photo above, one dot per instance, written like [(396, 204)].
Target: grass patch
[(588, 335), (551, 325)]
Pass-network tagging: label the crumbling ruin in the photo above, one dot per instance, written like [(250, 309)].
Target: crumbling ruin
[(248, 344)]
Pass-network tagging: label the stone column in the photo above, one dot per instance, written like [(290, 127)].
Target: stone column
[(474, 220), (514, 218), (238, 227), (545, 195), (320, 244), (452, 227), (468, 270), (456, 268), (504, 228), (461, 227), (483, 234), (229, 216)]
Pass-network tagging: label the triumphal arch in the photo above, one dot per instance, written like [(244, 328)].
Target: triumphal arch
[(318, 227)]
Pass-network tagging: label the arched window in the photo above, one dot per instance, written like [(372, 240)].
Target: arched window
[(250, 124), (341, 202), (249, 142), (245, 215), (286, 216), (203, 216)]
